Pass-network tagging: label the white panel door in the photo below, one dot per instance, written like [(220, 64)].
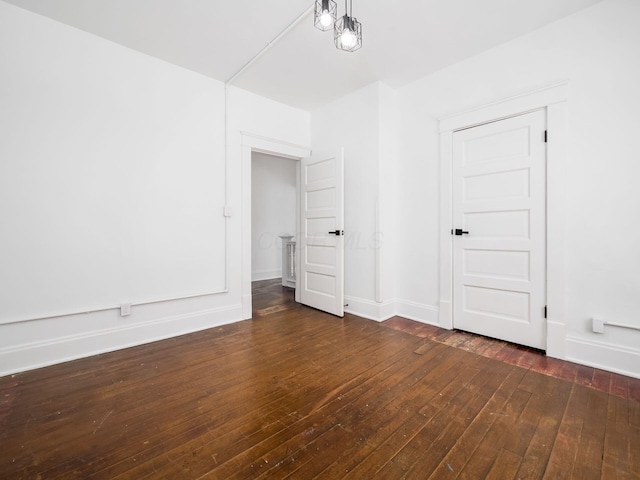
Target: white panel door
[(499, 257), (321, 276)]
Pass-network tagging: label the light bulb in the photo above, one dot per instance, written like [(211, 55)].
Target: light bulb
[(325, 18), (348, 38)]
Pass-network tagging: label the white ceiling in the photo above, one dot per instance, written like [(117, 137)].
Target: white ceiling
[(402, 40)]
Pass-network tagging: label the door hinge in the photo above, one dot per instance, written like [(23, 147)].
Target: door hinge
[(545, 311), (545, 136)]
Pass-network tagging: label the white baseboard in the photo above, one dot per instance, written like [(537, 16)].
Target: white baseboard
[(445, 315), (612, 358), (258, 275), (63, 349), (369, 309), (247, 306), (556, 340), (418, 312), (383, 311)]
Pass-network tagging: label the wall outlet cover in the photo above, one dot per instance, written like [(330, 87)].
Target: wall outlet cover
[(597, 325), (125, 309)]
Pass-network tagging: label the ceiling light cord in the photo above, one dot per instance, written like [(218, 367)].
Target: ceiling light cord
[(268, 46)]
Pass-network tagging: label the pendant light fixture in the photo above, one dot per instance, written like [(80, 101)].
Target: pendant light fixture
[(325, 14), (347, 33)]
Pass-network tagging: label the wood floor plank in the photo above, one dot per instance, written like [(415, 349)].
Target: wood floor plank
[(285, 444), (233, 435), (436, 394), (163, 405), (445, 435), (396, 377), (550, 411), (601, 380), (505, 466), (565, 448), (295, 393), (458, 456), (457, 400), (616, 449), (619, 385), (378, 416), (248, 446), (589, 458)]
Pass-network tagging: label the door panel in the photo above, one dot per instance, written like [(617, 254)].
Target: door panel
[(499, 177), (497, 264), (321, 277), (497, 185)]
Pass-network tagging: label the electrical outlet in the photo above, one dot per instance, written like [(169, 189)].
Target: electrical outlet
[(597, 325), (125, 309)]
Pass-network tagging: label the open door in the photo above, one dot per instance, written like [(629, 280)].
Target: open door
[(321, 239)]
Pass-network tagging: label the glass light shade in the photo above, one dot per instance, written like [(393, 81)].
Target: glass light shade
[(325, 14), (325, 19), (347, 34), (348, 39)]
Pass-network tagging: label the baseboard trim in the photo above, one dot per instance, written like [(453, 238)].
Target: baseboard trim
[(418, 312), (613, 358), (259, 275), (445, 316), (30, 356), (369, 309), (247, 306), (380, 312), (556, 340)]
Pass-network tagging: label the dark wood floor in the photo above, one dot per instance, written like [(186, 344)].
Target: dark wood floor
[(524, 357), (295, 393)]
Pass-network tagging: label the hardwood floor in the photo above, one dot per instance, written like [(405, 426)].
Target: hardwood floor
[(295, 393), (524, 357)]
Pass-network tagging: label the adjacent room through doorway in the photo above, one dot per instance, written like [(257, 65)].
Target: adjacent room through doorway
[(273, 212)]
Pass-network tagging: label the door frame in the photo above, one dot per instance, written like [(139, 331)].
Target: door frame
[(553, 99), (255, 143)]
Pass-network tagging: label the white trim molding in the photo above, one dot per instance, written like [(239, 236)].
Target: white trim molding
[(268, 274), (612, 358), (20, 358), (418, 312), (255, 143), (381, 311), (369, 309), (554, 100)]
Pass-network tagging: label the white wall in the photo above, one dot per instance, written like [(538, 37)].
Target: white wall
[(273, 212), (284, 131), (95, 134), (87, 188), (597, 51), (363, 123), (352, 123), (387, 191), (392, 171)]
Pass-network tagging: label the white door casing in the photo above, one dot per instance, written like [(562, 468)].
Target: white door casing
[(498, 180), (321, 240), (256, 143)]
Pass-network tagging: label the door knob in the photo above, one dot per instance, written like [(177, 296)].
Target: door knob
[(337, 233), (459, 231)]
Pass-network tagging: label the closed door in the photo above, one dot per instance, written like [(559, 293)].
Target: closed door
[(499, 178), (321, 276)]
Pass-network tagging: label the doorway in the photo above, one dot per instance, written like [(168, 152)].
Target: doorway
[(257, 144), (553, 99), (499, 229), (273, 212)]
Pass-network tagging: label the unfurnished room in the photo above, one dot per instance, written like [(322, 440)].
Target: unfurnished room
[(319, 239)]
